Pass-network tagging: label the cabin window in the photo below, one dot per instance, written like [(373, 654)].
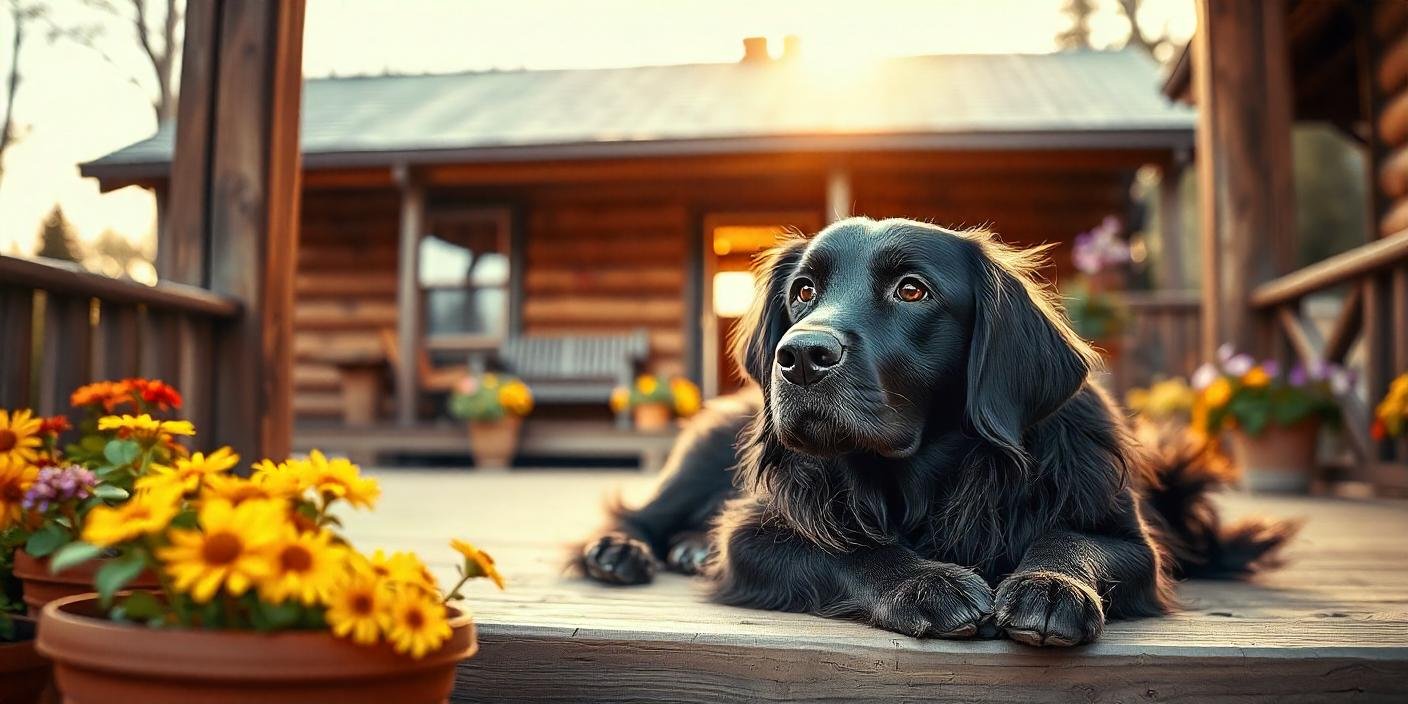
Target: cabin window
[(464, 278)]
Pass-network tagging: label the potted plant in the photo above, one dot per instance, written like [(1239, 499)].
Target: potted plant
[(653, 404), (1093, 302), (494, 405), (24, 673), (262, 597), (1271, 420), (1391, 413), (59, 487)]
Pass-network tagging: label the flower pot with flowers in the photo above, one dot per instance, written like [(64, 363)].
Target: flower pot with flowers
[(494, 405), (58, 488), (1271, 420), (1391, 413), (262, 597), (653, 404), (1165, 401)]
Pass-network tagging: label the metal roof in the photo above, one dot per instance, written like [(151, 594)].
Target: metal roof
[(1093, 99)]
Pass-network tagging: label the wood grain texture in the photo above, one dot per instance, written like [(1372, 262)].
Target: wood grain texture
[(17, 331), (1332, 624)]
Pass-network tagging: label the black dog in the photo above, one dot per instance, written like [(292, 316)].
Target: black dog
[(927, 455)]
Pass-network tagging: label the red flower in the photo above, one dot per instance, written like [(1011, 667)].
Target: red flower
[(1378, 430), (157, 393), (54, 425)]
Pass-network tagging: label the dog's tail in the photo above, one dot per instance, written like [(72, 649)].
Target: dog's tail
[(1182, 474)]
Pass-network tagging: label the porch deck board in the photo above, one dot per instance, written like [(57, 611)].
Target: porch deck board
[(1332, 624)]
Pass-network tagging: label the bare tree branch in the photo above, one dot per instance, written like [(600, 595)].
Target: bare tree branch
[(18, 16), (160, 55)]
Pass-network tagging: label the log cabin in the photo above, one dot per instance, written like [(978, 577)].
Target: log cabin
[(445, 214)]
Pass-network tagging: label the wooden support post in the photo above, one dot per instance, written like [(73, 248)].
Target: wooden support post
[(233, 216), (408, 296), (1171, 275), (838, 194), (1241, 77)]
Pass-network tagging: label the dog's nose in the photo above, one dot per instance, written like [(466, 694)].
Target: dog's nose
[(805, 356)]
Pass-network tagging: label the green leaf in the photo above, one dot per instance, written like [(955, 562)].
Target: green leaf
[(142, 606), (121, 452), (185, 519), (72, 554), (46, 540), (115, 574), (110, 492), (277, 617)]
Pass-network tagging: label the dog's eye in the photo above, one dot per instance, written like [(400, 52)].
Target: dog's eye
[(803, 291), (911, 291)]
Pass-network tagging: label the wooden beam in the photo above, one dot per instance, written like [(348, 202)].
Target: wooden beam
[(1171, 231), (408, 295), (1346, 328), (1341, 268), (252, 211), (1242, 78)]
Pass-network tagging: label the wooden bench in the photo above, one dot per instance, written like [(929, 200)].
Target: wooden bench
[(574, 369)]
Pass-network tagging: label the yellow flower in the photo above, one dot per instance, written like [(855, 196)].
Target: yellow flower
[(307, 565), (418, 623), (686, 394), (335, 478), (15, 478), (237, 490), (620, 399), (516, 398), (491, 381), (19, 436), (235, 548), (188, 472), (146, 513), (145, 427), (477, 563), (1218, 393), (358, 608), (1256, 378), (399, 568), (647, 384)]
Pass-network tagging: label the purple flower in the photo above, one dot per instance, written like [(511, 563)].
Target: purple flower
[(1225, 352), (55, 485), (1298, 376), (1272, 368), (1318, 370)]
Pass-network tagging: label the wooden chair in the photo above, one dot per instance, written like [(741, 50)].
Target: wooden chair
[(575, 369), (429, 378)]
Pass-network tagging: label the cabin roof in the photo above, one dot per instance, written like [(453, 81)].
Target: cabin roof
[(1095, 99)]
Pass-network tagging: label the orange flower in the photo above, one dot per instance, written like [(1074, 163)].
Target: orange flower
[(1256, 378), (1378, 430), (108, 394), (53, 425)]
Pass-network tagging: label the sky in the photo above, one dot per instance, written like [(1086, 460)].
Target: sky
[(77, 103)]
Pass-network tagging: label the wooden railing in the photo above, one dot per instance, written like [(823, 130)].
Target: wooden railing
[(1375, 311), (1160, 338), (61, 327)]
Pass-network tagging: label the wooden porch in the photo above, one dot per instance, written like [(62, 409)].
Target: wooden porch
[(1332, 624)]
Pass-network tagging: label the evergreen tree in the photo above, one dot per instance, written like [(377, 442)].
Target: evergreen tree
[(56, 237)]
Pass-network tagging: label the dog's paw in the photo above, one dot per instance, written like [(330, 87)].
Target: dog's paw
[(939, 601), (688, 554), (616, 558), (1048, 609)]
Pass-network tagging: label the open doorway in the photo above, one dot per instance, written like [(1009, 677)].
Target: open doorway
[(731, 242)]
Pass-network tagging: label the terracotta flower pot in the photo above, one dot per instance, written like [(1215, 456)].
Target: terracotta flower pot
[(98, 661), (494, 443), (1279, 460), (24, 673), (652, 417), (41, 587)]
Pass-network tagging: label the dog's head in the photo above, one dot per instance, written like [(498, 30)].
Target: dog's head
[(873, 336)]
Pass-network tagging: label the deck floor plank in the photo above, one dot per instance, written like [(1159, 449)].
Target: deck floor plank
[(1333, 623)]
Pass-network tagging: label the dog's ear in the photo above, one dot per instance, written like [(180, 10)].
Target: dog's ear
[(1024, 361), (757, 334)]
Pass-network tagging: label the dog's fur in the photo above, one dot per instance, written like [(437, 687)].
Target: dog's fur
[(956, 474)]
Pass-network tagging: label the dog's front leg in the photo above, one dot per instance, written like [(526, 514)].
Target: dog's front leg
[(764, 563), (1067, 581)]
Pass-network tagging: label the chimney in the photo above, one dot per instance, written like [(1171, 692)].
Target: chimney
[(755, 50)]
